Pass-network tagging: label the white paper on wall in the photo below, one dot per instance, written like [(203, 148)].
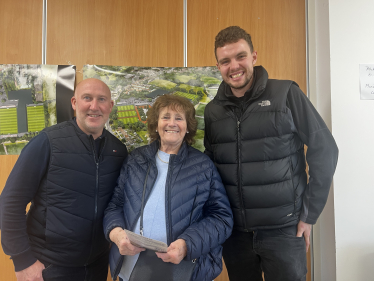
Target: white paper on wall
[(367, 81)]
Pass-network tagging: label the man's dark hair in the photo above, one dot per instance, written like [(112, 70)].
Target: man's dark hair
[(231, 34)]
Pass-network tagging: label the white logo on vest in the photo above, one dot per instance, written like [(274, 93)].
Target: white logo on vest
[(265, 103)]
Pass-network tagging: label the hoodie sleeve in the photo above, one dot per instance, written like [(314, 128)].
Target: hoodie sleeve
[(20, 189), (321, 156)]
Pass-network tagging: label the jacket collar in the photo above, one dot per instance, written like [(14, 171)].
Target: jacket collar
[(153, 147), (73, 121), (258, 87), (85, 139)]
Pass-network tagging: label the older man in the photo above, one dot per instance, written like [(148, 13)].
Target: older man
[(68, 173), (255, 131)]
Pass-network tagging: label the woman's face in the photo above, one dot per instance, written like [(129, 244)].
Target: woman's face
[(172, 127)]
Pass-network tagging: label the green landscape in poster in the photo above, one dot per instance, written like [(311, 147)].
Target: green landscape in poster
[(135, 89), (27, 103)]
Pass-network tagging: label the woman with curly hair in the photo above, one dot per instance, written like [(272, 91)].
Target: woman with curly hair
[(171, 192)]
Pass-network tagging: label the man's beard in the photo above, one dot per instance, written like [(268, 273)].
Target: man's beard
[(246, 82)]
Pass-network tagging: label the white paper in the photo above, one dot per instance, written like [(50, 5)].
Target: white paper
[(367, 81)]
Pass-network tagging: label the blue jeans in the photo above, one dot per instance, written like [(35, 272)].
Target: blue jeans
[(96, 271), (277, 252)]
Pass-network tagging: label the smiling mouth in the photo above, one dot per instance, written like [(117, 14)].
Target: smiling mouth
[(93, 115), (237, 75), (173, 132)]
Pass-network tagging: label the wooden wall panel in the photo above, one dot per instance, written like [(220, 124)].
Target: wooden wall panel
[(115, 32), (21, 31), (6, 265), (6, 163), (277, 29)]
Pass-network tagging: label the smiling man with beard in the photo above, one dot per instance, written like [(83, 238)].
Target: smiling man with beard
[(255, 132)]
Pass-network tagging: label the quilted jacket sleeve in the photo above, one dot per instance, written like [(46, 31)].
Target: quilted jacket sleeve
[(113, 215), (217, 222)]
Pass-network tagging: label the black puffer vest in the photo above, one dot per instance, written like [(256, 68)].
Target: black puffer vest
[(259, 155), (65, 219)]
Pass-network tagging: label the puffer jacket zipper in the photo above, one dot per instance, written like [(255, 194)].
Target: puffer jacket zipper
[(240, 185), (97, 163), (168, 202), (231, 111)]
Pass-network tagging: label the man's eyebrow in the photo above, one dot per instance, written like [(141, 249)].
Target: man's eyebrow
[(224, 59), (242, 53)]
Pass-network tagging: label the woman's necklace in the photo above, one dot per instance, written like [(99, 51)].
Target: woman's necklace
[(161, 159)]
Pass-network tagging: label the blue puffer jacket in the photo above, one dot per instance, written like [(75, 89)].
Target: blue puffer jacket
[(197, 208)]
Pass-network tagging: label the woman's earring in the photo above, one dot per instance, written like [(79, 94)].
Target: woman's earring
[(156, 130), (188, 132)]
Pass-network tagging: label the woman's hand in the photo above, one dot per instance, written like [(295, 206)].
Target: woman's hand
[(176, 252), (119, 236)]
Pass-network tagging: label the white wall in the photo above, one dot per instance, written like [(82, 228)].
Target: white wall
[(352, 43), (341, 36), (324, 262)]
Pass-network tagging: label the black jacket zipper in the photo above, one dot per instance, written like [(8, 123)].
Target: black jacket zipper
[(96, 160), (168, 207), (240, 189)]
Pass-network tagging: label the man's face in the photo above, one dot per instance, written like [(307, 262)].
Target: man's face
[(92, 103), (235, 61)]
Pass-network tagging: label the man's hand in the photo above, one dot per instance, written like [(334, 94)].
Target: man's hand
[(176, 252), (304, 228), (119, 236), (32, 273)]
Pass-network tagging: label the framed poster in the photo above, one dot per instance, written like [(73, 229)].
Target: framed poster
[(135, 89), (32, 97)]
